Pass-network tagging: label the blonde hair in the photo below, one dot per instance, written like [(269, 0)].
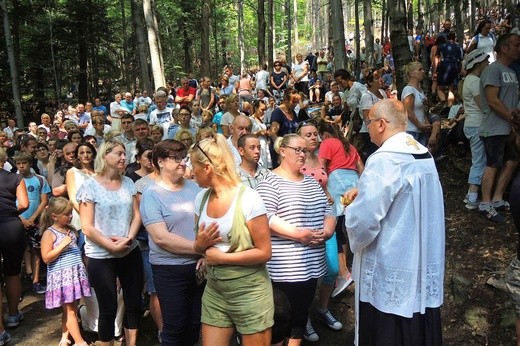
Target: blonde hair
[(215, 151), (181, 132), (157, 128), (57, 206), (204, 132), (231, 98), (100, 164), (284, 141), (410, 67)]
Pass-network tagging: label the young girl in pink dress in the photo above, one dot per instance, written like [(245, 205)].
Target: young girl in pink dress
[(66, 275)]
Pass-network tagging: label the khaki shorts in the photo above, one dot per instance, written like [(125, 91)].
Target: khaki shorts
[(245, 302), (513, 283)]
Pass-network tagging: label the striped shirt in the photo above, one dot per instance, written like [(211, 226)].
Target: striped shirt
[(302, 204)]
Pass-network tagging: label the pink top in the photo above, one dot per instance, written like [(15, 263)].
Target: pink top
[(317, 173), (332, 150), (244, 87)]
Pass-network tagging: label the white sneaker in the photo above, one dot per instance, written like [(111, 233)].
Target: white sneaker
[(341, 284)]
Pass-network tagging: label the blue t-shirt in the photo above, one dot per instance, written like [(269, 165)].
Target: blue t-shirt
[(34, 191), (216, 121)]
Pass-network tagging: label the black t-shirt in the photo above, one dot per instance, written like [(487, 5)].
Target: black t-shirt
[(278, 78), (8, 184)]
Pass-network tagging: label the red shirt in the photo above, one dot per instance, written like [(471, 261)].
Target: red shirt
[(332, 150), (181, 92)]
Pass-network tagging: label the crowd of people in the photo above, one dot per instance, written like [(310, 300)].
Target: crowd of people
[(232, 206)]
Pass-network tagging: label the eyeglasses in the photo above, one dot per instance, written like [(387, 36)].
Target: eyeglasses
[(202, 151), (298, 151), (184, 115), (177, 158), (369, 121)]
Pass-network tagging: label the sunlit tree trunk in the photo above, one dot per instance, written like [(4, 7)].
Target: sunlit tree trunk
[(261, 33), (340, 56), (270, 33), (369, 34), (357, 37), (204, 40), (154, 44), (240, 10), (295, 25), (142, 49), (289, 31), (12, 64), (126, 68), (400, 48)]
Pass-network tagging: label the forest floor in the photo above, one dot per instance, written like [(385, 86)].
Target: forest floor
[(474, 312)]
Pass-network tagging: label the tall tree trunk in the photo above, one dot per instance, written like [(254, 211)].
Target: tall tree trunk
[(240, 10), (186, 45), (289, 32), (369, 34), (330, 28), (459, 23), (340, 56), (83, 54), (12, 65), (142, 49), (295, 25), (400, 47), (204, 40), (154, 43), (357, 38), (261, 33), (53, 58), (126, 68), (270, 33), (216, 71), (383, 22), (409, 15)]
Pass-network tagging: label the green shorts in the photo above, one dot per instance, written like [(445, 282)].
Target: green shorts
[(513, 283), (245, 302)]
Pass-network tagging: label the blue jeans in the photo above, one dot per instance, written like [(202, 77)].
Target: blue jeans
[(478, 156), (180, 299)]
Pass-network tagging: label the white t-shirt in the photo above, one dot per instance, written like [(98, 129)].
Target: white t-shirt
[(252, 206), (418, 106), (299, 69), (473, 113)]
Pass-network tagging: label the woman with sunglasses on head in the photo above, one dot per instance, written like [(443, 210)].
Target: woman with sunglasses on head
[(374, 94), (278, 81), (415, 102), (301, 220), (343, 166), (110, 220), (168, 213), (238, 292)]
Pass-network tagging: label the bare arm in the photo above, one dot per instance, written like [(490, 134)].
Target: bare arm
[(21, 197), (48, 253), (495, 103), (409, 104), (286, 230), (70, 184)]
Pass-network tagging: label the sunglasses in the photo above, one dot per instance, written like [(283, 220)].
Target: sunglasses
[(196, 145)]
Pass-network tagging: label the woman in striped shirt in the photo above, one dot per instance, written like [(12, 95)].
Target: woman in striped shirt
[(301, 220)]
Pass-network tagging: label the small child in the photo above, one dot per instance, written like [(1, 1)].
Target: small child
[(66, 275), (38, 191)]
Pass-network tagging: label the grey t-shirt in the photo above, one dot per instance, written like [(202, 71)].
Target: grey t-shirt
[(177, 210), (505, 78)]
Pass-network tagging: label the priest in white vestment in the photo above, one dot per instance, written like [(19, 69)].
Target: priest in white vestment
[(395, 225)]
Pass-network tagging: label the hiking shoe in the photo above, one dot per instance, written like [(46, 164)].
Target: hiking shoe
[(4, 338), (500, 205), (310, 334), (38, 288), (327, 318), (14, 320), (341, 284), (491, 214)]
